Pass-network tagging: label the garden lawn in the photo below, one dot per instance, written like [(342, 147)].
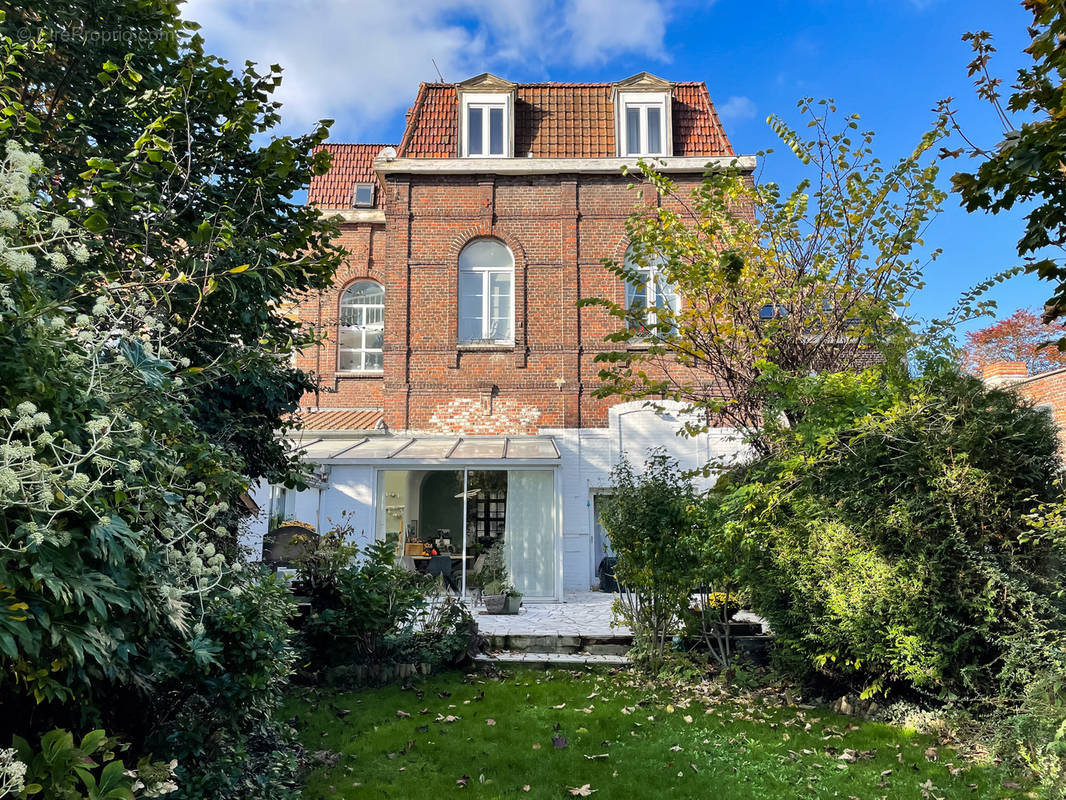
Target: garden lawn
[(551, 734)]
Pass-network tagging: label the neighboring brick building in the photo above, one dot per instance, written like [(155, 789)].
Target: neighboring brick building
[(456, 314), (1044, 390)]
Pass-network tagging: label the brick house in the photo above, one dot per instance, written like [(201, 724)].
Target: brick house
[(1045, 390), (457, 376)]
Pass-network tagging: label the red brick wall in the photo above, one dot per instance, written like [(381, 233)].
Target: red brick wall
[(366, 243), (559, 227), (1048, 389)]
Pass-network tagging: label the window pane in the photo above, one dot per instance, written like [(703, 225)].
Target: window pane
[(364, 194), (374, 315), (500, 306), (470, 299), (350, 338), (373, 338), (364, 292), (349, 360), (374, 361), (485, 253), (637, 294), (655, 132), (632, 130), (474, 132), (351, 315), (496, 131)]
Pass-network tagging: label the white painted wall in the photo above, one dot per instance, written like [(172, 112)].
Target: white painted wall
[(589, 454), (587, 457)]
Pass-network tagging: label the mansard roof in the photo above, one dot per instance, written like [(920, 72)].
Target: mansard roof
[(564, 120)]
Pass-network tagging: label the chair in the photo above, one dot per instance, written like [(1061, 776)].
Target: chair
[(442, 566)]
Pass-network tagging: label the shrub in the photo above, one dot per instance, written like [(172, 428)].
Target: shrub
[(651, 522), (895, 549), (88, 770), (356, 602), (218, 715)]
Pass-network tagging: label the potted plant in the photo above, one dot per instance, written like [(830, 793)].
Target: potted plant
[(498, 593)]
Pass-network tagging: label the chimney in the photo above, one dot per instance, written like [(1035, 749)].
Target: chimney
[(1003, 373)]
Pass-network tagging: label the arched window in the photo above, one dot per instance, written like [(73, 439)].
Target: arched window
[(362, 328), (486, 293), (651, 292)]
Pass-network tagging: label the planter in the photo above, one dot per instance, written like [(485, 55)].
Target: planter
[(501, 603)]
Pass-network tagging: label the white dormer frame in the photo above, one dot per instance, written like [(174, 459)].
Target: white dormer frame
[(644, 93), (490, 94)]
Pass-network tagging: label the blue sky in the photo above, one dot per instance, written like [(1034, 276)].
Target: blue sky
[(890, 61)]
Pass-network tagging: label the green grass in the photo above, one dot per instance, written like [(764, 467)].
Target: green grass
[(622, 740)]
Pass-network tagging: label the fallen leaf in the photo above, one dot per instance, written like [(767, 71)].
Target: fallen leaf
[(403, 715), (525, 788), (559, 741), (582, 791), (536, 747), (598, 755), (462, 782), (561, 705), (687, 718), (490, 721), (931, 754)]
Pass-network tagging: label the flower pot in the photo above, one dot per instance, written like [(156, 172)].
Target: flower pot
[(512, 604), (494, 603)]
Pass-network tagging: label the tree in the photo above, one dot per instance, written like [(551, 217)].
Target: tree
[(772, 286), (167, 155), (1020, 337), (146, 241), (1027, 166)]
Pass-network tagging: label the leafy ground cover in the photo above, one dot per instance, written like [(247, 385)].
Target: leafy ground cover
[(541, 734)]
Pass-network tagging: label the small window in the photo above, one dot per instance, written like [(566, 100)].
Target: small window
[(361, 334), (363, 196), (486, 296), (652, 292), (485, 126), (643, 124)]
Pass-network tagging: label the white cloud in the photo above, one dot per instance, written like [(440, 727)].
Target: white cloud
[(736, 108), (361, 62)]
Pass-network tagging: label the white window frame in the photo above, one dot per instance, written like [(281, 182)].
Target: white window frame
[(486, 102), (651, 290), (486, 273), (644, 101), (362, 331), (355, 194)]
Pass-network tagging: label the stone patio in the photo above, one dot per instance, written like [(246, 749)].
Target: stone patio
[(581, 614)]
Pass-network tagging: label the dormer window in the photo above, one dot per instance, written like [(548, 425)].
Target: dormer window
[(642, 116), (363, 195), (486, 131), (486, 117), (643, 124)]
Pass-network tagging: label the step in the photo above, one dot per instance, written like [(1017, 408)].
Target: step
[(552, 659), (606, 644)]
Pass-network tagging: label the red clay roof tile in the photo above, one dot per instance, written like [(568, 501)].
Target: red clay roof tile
[(352, 163), (561, 120)]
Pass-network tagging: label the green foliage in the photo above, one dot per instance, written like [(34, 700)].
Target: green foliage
[(812, 280), (896, 549), (1025, 167), (649, 518), (494, 576), (88, 770), (219, 712), (144, 368), (1036, 733), (358, 601), (446, 635)]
